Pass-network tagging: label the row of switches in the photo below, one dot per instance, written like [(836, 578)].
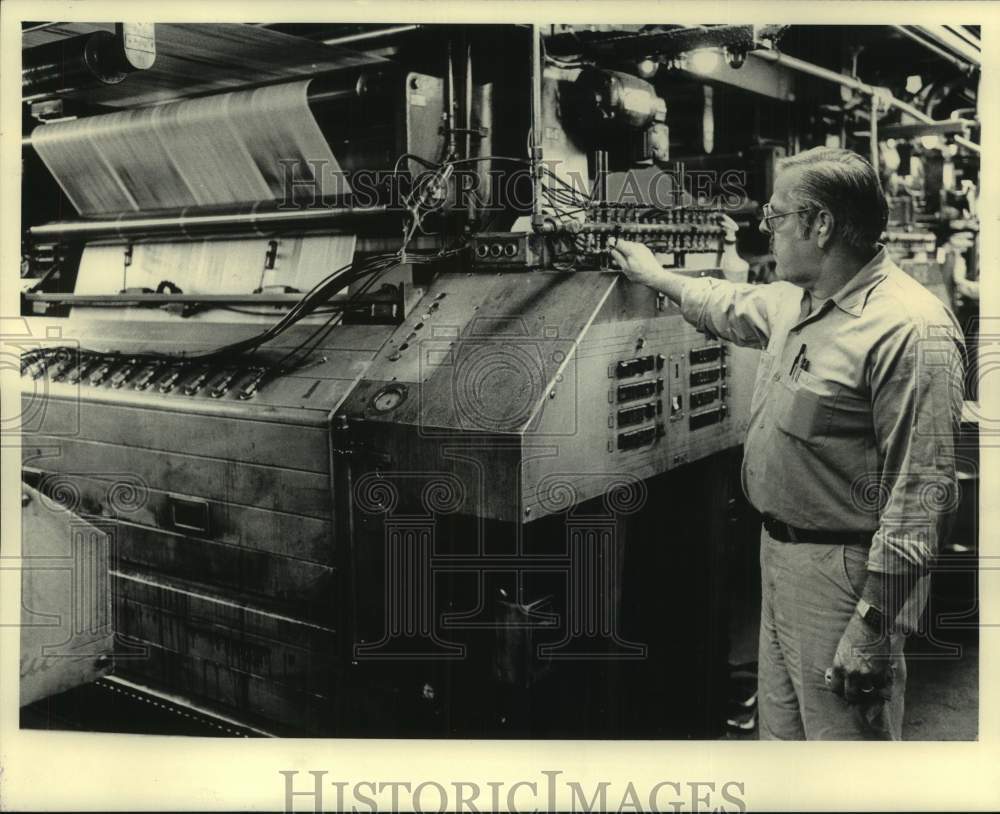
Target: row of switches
[(162, 376)]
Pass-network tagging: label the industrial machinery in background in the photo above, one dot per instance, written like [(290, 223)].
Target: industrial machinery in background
[(404, 455)]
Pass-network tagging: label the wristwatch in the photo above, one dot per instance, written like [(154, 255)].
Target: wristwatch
[(871, 616)]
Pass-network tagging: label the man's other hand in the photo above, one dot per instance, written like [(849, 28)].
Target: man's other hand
[(637, 262), (862, 669)]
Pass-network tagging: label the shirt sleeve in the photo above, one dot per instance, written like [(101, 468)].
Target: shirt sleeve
[(917, 385), (738, 312)]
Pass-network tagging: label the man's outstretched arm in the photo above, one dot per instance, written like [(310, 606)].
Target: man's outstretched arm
[(738, 312)]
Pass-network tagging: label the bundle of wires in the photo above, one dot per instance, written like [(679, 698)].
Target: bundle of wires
[(300, 353), (566, 202), (318, 297)]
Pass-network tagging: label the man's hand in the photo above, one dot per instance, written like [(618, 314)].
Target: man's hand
[(862, 670), (640, 266), (637, 262)]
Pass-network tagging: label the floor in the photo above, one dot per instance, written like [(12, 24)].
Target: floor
[(942, 697)]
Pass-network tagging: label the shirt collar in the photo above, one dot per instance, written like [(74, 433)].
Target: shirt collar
[(853, 295)]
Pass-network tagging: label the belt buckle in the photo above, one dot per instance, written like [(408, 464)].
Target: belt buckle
[(790, 533)]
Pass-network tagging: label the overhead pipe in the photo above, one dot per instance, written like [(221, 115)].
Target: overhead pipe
[(795, 64), (950, 40), (39, 27), (190, 223), (363, 36), (962, 65), (968, 36)]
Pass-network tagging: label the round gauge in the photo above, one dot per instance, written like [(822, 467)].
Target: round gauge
[(388, 398)]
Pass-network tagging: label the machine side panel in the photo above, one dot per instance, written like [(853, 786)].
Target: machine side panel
[(280, 533), (66, 633), (219, 511), (244, 485), (224, 438), (256, 642)]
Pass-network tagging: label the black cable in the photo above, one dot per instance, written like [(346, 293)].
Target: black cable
[(314, 298), (269, 313), (313, 339)]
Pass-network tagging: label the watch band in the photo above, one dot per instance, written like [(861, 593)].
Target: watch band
[(871, 616)]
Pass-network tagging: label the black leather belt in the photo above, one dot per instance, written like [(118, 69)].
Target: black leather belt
[(789, 534)]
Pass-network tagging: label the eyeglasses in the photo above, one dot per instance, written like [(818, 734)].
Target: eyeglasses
[(770, 214)]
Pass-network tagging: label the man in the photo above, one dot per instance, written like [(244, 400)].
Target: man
[(849, 449)]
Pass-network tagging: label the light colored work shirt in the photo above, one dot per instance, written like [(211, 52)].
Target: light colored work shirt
[(855, 405)]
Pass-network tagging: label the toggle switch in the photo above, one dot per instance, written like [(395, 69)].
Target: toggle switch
[(221, 385)]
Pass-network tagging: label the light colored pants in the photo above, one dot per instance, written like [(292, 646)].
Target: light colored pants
[(808, 593)]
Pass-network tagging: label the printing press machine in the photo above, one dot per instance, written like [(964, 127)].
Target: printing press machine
[(371, 465)]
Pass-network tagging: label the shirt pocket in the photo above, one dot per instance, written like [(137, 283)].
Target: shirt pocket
[(814, 410)]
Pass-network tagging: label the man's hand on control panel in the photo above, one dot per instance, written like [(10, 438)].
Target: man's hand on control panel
[(639, 264), (636, 261)]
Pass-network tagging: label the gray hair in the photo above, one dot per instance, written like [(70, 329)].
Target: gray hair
[(846, 185)]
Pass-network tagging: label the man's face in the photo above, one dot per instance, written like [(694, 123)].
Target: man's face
[(795, 253)]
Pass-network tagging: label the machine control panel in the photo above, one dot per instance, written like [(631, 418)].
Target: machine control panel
[(707, 417), (626, 368), (583, 242), (636, 439), (639, 390), (629, 416), (677, 230), (642, 402), (707, 388), (687, 389)]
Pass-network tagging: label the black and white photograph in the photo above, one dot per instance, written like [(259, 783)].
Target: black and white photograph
[(494, 382)]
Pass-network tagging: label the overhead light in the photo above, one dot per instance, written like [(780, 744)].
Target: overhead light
[(914, 83), (647, 68), (704, 60)]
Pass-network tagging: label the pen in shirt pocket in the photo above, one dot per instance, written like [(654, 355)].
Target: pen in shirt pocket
[(797, 362)]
